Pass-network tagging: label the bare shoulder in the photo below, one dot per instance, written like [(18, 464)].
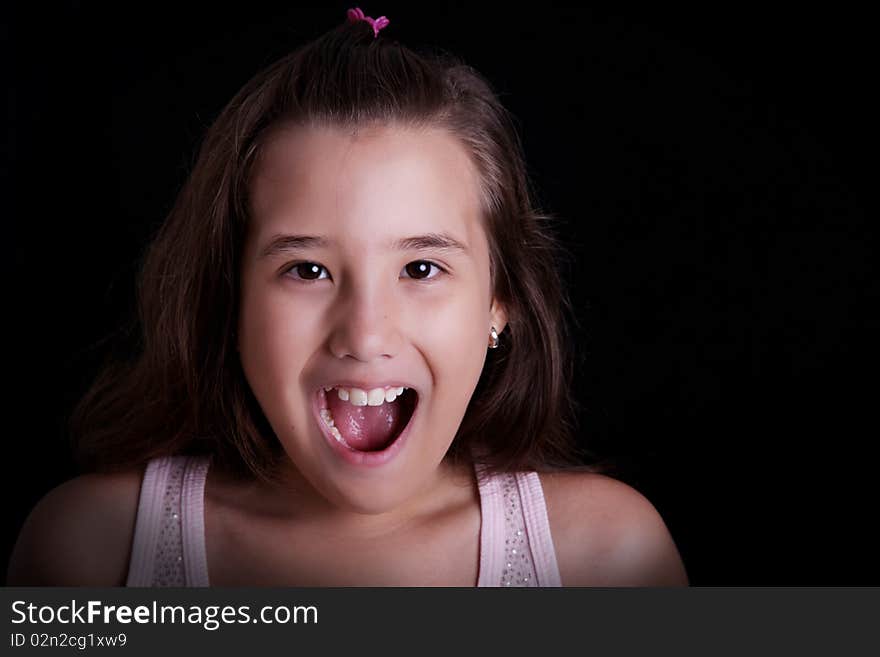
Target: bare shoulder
[(79, 534), (606, 533)]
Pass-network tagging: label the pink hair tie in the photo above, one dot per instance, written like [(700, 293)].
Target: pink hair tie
[(355, 15)]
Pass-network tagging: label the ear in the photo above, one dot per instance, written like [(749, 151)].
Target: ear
[(498, 314)]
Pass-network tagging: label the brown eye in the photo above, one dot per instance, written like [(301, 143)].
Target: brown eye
[(420, 269), (306, 271)]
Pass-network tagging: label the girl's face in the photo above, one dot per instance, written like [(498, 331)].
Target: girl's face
[(371, 297)]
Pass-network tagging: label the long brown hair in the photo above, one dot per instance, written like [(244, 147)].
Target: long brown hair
[(185, 392)]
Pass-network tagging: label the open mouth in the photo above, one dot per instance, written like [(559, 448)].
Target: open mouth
[(365, 429)]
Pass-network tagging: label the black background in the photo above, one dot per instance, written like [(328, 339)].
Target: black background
[(710, 169)]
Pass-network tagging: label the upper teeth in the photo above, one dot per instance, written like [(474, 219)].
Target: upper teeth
[(374, 397)]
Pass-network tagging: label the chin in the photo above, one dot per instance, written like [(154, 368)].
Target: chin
[(371, 498)]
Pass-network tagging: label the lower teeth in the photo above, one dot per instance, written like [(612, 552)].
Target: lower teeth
[(328, 421)]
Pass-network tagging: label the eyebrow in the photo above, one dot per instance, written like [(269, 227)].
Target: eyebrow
[(281, 244)]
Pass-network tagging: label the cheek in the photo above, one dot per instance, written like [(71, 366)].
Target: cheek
[(455, 341), (272, 341), (455, 314)]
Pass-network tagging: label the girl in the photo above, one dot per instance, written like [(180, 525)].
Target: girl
[(354, 360)]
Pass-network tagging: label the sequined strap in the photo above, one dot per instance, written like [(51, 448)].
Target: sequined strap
[(516, 548), (534, 513), (169, 540), (192, 518)]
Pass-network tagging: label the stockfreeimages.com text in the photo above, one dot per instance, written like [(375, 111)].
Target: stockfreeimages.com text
[(210, 617)]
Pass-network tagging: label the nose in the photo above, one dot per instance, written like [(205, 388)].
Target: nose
[(366, 325)]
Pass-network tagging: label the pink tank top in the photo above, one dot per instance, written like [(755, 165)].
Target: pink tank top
[(168, 548)]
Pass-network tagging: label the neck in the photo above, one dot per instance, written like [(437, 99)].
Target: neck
[(291, 496)]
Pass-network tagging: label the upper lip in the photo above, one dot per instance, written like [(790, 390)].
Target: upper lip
[(348, 383)]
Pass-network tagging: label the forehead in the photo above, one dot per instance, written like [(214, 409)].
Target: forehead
[(381, 182)]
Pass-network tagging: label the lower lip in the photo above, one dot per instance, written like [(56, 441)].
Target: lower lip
[(354, 457)]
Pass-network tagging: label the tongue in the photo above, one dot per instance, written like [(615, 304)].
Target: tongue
[(366, 428)]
